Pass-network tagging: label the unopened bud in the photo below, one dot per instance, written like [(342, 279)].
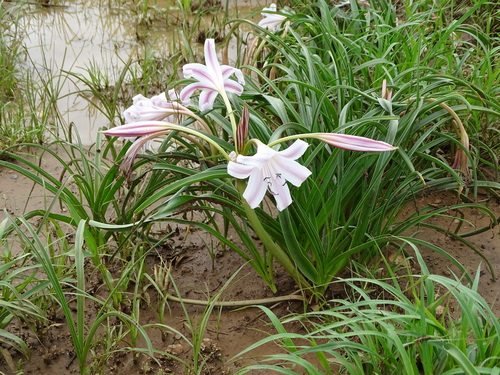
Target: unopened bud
[(242, 129)]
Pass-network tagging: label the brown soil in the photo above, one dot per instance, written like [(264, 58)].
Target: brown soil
[(198, 275), (487, 243)]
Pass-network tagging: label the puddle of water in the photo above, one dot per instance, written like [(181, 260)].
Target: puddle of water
[(77, 34)]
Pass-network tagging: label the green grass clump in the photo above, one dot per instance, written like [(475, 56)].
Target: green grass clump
[(20, 288), (407, 324), (19, 114), (392, 74), (401, 75)]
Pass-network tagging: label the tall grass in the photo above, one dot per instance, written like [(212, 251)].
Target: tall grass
[(15, 112), (65, 288), (20, 285)]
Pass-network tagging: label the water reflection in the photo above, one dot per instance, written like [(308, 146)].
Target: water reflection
[(75, 35)]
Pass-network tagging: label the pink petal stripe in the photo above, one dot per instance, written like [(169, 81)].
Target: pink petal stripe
[(212, 62), (354, 143), (188, 91), (137, 129), (207, 99), (233, 86), (200, 73), (227, 71)]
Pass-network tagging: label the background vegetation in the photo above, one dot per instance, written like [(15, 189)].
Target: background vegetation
[(422, 75)]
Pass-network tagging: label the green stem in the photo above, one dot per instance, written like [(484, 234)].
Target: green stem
[(231, 118), (293, 137), (196, 133), (269, 243)]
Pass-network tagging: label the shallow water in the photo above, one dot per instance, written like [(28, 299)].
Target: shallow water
[(77, 34)]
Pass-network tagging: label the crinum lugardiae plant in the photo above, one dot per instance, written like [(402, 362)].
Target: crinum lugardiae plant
[(253, 168)]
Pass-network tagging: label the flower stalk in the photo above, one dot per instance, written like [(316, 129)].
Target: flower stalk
[(343, 141), (157, 128), (277, 252)]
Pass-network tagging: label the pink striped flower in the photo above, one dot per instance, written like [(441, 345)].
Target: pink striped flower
[(138, 129), (156, 109), (144, 131), (270, 170), (212, 79), (352, 142)]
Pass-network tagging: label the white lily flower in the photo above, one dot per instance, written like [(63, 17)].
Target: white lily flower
[(213, 79), (157, 108), (271, 20), (270, 170)]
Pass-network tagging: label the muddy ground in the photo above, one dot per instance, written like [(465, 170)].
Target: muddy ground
[(198, 275)]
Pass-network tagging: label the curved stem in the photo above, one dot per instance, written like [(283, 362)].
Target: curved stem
[(181, 110), (248, 302), (196, 133), (232, 119), (277, 252), (292, 138), (461, 159)]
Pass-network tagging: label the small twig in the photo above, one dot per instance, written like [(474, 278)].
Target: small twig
[(73, 357), (249, 302)]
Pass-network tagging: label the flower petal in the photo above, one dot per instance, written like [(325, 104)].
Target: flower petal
[(138, 98), (272, 8), (197, 71), (188, 91), (233, 86), (271, 23), (290, 170), (256, 188), (271, 20), (161, 100), (282, 196), (207, 99), (137, 129), (213, 65), (263, 155), (295, 151), (238, 170), (227, 71)]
